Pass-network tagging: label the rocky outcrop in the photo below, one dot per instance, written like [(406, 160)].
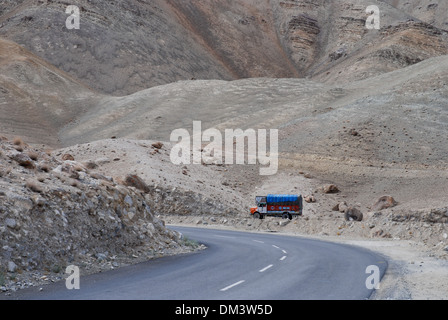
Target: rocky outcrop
[(183, 202), (167, 201), (434, 215), (65, 215)]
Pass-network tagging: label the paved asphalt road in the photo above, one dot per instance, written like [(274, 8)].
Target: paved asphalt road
[(236, 266)]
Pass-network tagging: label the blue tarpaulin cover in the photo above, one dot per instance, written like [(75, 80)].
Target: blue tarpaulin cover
[(274, 198)]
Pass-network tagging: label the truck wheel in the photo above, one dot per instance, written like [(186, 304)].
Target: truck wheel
[(285, 216), (257, 215)]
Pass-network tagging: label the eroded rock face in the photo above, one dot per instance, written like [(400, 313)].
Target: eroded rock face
[(218, 40)]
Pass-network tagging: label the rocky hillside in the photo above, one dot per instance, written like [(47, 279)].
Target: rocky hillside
[(56, 212), (430, 11), (127, 46)]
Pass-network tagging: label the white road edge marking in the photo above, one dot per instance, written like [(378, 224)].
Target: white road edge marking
[(284, 251), (232, 285), (275, 246), (266, 268), (282, 258), (258, 241)]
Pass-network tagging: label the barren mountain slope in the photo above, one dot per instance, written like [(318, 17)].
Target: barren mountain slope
[(37, 99), (156, 112), (384, 134), (127, 46), (121, 47), (410, 102), (430, 11), (385, 137)]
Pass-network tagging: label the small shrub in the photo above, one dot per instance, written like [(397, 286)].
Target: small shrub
[(34, 186), (4, 171), (186, 241), (44, 167), (33, 155), (74, 183), (56, 268), (18, 141)]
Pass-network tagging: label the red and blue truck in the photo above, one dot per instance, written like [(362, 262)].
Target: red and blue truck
[(277, 205)]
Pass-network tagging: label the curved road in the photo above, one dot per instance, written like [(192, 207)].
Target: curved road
[(236, 266)]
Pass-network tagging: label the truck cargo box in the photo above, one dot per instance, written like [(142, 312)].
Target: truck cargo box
[(283, 198)]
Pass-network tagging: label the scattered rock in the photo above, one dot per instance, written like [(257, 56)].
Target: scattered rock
[(331, 188), (339, 53), (68, 156), (353, 214), (12, 267), (23, 160), (158, 145), (11, 223), (284, 222), (381, 234), (343, 207), (309, 199), (101, 257), (384, 203)]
